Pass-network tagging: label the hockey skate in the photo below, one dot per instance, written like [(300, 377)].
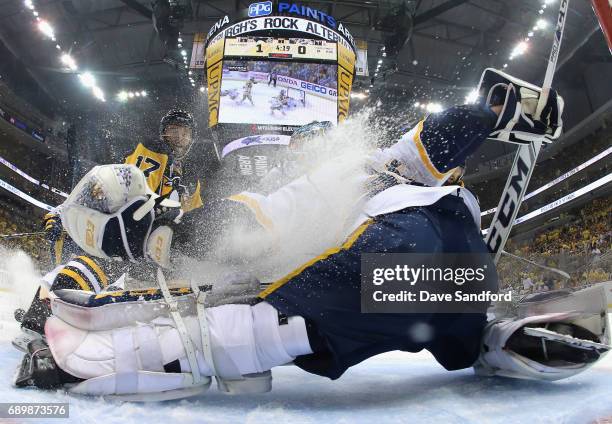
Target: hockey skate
[(547, 336), (32, 321)]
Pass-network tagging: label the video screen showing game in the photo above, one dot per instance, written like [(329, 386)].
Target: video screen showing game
[(282, 93)]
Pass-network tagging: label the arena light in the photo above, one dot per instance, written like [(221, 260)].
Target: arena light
[(46, 28), (98, 93), (434, 107), (137, 94), (29, 4), (520, 49), (202, 89), (122, 96), (130, 95), (549, 1), (183, 53), (57, 46), (87, 79), (417, 104), (180, 40), (360, 96), (143, 93), (472, 97), (69, 61), (541, 24)]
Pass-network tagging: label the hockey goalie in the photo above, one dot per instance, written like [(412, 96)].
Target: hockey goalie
[(167, 343)]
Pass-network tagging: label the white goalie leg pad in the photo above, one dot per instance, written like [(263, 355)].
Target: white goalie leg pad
[(244, 340)]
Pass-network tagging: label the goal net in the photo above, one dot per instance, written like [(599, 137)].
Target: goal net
[(297, 94)]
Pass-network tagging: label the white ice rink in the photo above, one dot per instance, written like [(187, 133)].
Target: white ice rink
[(390, 388), (234, 112)]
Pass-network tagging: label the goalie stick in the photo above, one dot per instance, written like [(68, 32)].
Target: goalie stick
[(525, 158)]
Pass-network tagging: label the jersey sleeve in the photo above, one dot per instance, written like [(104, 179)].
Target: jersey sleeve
[(428, 152), (451, 136), (81, 273)]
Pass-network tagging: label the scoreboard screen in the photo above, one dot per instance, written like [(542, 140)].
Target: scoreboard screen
[(281, 48)]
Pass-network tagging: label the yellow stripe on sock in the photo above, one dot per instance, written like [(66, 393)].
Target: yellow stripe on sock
[(100, 274), (76, 277)]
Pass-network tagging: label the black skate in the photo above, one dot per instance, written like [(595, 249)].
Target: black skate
[(32, 322), (39, 369)]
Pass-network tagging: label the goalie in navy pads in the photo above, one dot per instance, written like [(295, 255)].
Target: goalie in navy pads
[(171, 345)]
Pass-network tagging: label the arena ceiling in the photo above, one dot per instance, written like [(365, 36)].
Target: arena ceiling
[(449, 42)]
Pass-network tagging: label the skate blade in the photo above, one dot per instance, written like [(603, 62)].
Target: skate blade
[(565, 339)]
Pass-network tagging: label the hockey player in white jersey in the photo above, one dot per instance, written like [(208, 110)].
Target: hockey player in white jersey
[(247, 91), (175, 341)]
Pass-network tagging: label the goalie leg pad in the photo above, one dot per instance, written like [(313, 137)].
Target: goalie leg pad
[(244, 339)]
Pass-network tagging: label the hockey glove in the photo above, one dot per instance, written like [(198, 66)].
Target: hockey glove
[(519, 100), (52, 226)]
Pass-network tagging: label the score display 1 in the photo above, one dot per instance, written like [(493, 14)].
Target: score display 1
[(281, 48)]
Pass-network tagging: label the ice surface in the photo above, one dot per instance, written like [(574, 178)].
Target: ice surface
[(394, 387), (391, 388), (233, 111)]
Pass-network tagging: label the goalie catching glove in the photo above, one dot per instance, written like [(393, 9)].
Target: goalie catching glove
[(519, 100), (110, 214)]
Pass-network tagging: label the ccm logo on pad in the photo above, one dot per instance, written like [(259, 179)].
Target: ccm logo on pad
[(263, 8)]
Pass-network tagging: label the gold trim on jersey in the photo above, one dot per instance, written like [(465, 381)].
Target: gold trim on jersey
[(424, 156), (194, 201), (253, 205), (329, 252)]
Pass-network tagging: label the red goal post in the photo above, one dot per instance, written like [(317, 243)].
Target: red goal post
[(603, 10)]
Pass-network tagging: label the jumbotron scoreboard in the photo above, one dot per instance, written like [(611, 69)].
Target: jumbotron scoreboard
[(281, 48), (280, 45), (274, 68)]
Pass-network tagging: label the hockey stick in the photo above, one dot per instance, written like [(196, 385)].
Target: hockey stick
[(547, 268), (17, 235), (525, 159)]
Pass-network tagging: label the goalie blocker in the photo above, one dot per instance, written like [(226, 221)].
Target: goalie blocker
[(519, 100)]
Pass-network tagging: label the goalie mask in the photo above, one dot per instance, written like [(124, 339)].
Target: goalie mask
[(110, 213), (519, 100)]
